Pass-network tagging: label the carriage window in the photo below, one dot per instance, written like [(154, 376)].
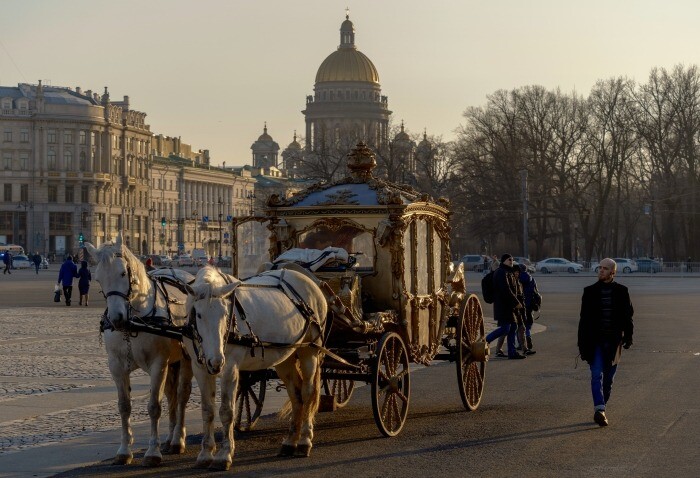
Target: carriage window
[(354, 240)]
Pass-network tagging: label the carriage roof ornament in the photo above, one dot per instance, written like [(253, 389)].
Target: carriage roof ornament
[(361, 162)]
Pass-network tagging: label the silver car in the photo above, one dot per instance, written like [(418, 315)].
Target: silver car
[(558, 264)]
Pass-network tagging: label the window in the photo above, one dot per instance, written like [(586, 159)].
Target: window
[(7, 160), (8, 135), (24, 192), (68, 137), (68, 158), (83, 161), (84, 194), (24, 136), (83, 137), (51, 159), (51, 136), (70, 194), (7, 192), (53, 193), (23, 160)]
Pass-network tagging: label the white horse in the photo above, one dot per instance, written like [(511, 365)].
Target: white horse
[(278, 315), (133, 295)]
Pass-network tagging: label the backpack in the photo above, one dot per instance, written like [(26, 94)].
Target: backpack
[(536, 298), (487, 287)]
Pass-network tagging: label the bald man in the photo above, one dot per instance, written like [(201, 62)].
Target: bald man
[(604, 328)]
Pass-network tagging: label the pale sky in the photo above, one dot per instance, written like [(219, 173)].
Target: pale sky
[(212, 71)]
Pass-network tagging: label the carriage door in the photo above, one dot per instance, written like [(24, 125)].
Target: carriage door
[(422, 252), (249, 245)]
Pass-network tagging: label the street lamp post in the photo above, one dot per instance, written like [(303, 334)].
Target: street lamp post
[(221, 205), (25, 205), (152, 216), (195, 214)]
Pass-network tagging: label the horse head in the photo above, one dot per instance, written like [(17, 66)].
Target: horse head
[(120, 275), (210, 314)]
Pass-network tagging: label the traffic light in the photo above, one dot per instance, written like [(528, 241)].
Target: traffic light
[(81, 238), (162, 221)]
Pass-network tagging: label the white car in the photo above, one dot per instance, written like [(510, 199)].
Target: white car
[(21, 262), (183, 260), (558, 264), (624, 265)]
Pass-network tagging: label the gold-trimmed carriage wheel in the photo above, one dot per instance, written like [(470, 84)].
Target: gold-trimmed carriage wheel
[(250, 397), (391, 385), (339, 389), (472, 353)]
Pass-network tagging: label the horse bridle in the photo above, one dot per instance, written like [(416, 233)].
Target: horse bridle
[(127, 296)]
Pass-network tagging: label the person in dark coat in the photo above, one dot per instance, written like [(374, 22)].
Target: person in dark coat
[(37, 261), (7, 260), (65, 277), (505, 305), (529, 287), (84, 278), (604, 328)]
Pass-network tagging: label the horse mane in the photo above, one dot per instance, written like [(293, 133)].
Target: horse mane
[(108, 252)]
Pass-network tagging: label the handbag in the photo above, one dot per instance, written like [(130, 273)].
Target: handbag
[(56, 293)]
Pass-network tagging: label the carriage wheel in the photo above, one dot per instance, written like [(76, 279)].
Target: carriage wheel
[(391, 385), (472, 353), (249, 399), (339, 389)]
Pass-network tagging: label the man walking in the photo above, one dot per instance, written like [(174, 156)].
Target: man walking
[(604, 328), (505, 305), (7, 260), (37, 261), (68, 272)]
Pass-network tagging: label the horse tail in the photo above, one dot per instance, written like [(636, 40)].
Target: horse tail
[(316, 393), (286, 410)]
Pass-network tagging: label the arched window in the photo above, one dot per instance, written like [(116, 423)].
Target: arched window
[(83, 161), (51, 159), (68, 159)]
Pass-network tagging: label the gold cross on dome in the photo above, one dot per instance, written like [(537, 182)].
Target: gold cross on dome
[(347, 13)]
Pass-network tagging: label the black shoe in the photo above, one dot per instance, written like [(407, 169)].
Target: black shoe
[(500, 353), (600, 418), (516, 357), (530, 352), (519, 347)]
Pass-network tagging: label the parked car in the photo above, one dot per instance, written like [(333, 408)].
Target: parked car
[(200, 256), (624, 265), (21, 262), (473, 262), (183, 260), (524, 260), (558, 264), (225, 261), (648, 265)]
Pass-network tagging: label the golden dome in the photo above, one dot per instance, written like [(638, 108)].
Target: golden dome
[(347, 64)]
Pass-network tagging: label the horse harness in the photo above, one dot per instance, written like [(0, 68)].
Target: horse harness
[(150, 322), (252, 341)]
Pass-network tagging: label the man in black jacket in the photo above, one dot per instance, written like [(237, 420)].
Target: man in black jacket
[(604, 328), (506, 305)]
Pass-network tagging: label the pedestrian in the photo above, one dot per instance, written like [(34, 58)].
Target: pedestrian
[(529, 288), (505, 305), (65, 277), (149, 265), (604, 328), (84, 278), (520, 319), (37, 261), (7, 260)]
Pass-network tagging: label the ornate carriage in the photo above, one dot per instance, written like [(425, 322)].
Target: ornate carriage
[(397, 299)]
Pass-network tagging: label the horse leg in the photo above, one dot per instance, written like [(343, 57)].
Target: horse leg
[(289, 374), (310, 396), (153, 456), (184, 389), (207, 387), (123, 383), (229, 385), (171, 380)]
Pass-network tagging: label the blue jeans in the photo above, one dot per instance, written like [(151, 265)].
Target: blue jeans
[(508, 329), (602, 374)]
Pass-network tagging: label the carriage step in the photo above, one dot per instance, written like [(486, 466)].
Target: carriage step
[(327, 404)]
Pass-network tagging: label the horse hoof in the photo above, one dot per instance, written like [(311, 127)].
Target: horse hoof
[(202, 464), (220, 465), (151, 461), (176, 449), (287, 450), (122, 459), (302, 451)]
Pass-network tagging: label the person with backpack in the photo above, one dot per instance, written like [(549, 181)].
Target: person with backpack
[(506, 305), (529, 293)]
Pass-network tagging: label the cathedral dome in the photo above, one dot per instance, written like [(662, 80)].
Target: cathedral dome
[(347, 63)]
